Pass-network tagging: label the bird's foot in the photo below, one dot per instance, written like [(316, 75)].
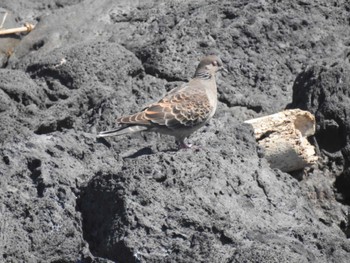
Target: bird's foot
[(183, 145)]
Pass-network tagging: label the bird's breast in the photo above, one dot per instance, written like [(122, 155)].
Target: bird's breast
[(212, 96)]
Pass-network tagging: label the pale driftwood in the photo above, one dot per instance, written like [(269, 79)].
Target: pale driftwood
[(284, 137), (26, 28), (3, 20)]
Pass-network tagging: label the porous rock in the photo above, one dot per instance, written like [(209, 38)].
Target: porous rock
[(323, 88), (65, 197)]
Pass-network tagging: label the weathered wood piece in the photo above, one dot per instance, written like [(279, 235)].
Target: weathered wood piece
[(284, 137), (26, 28)]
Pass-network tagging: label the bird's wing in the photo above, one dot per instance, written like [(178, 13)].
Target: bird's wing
[(177, 89), (183, 108)]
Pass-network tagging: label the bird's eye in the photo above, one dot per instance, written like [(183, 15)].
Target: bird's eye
[(215, 63)]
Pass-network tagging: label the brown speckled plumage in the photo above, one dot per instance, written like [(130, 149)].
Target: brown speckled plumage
[(181, 111)]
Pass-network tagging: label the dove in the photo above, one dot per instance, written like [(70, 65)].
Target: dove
[(182, 111)]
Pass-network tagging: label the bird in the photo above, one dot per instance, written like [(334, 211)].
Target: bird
[(182, 111)]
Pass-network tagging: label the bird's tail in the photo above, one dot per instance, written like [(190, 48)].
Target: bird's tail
[(122, 130)]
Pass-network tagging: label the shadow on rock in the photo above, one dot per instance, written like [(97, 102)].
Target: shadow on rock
[(103, 210), (323, 89)]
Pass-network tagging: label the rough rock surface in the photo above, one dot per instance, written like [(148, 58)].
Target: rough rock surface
[(65, 197), (324, 90)]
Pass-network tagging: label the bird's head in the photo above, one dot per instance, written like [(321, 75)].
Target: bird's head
[(209, 64)]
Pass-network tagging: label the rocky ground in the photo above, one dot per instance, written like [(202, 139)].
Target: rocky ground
[(67, 197)]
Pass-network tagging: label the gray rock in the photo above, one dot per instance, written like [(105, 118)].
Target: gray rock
[(65, 197), (223, 204), (323, 89)]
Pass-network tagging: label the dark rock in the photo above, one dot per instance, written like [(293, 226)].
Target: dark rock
[(324, 89), (203, 209), (67, 197)]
